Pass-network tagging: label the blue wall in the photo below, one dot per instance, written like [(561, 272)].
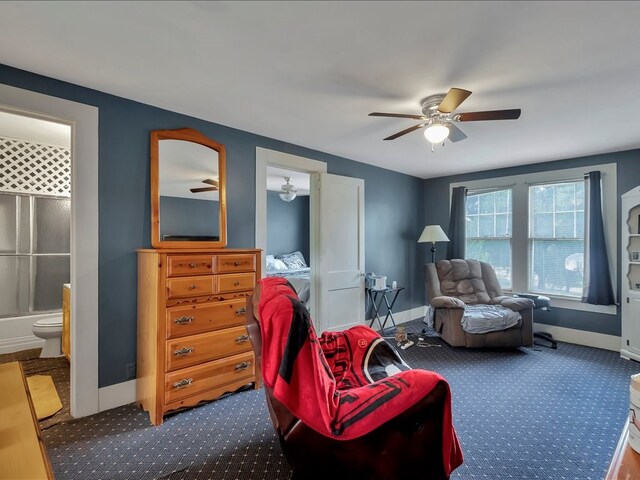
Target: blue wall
[(184, 216), (628, 175), (287, 225), (392, 221)]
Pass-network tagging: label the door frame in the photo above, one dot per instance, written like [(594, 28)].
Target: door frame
[(266, 157), (83, 120)]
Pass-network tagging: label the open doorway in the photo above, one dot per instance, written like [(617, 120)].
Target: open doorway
[(287, 251), (35, 258), (273, 159), (83, 121)]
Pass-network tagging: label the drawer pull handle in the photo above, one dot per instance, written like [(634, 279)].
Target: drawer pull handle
[(241, 311), (242, 366), (236, 283), (237, 264), (193, 265), (242, 339), (183, 351), (183, 320), (192, 287), (185, 382)]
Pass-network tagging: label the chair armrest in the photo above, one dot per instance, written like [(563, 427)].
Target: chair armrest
[(517, 304), (498, 300), (446, 302)]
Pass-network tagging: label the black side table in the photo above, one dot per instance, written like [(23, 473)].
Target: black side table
[(389, 296)]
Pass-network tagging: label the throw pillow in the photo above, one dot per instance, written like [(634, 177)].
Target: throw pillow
[(293, 260)]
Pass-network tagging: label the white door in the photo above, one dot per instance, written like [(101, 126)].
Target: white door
[(340, 274)]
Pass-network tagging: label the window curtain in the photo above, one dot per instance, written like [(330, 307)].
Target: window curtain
[(457, 223), (597, 289)]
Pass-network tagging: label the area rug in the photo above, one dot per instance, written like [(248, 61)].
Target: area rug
[(44, 396), (59, 370)]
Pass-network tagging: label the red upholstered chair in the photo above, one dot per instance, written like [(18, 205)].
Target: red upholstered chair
[(411, 444)]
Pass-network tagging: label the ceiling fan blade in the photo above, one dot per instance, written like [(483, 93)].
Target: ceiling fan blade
[(203, 189), (405, 131), (397, 115), (455, 134), (210, 181), (513, 114), (453, 99)]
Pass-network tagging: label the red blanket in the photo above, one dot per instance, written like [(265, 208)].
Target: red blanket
[(345, 384)]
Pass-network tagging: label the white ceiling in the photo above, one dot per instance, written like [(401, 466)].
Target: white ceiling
[(34, 130), (275, 180), (183, 166), (310, 72)]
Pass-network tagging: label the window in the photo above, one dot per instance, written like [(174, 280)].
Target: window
[(546, 221), (34, 253), (556, 238), (488, 231)]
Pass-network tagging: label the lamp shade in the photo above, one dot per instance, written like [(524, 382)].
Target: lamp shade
[(436, 133), (433, 233)]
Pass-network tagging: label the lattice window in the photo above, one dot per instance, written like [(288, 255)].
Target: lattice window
[(33, 168)]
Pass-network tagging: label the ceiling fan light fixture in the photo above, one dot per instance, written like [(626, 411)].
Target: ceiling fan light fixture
[(436, 133), (288, 192)]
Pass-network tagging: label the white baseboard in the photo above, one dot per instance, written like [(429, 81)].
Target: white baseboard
[(116, 395), (124, 393), (562, 334), (411, 314), (17, 344), (580, 337)]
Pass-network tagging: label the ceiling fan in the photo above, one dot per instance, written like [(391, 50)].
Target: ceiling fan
[(438, 117), (208, 181)]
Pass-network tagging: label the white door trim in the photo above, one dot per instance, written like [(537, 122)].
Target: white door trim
[(83, 120), (265, 157)]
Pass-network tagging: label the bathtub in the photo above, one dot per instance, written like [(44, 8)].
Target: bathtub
[(16, 332)]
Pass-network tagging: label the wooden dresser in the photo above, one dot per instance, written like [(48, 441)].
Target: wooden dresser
[(192, 339), (66, 320)]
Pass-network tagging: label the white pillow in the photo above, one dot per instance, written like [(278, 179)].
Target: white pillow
[(270, 259), (274, 264), (279, 265)]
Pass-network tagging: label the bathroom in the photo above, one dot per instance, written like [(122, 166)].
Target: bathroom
[(35, 250)]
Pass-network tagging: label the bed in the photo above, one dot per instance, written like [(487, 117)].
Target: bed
[(294, 268)]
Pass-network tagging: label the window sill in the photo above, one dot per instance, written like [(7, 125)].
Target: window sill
[(576, 304), (569, 303)]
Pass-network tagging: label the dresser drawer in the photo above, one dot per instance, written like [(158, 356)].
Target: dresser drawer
[(235, 282), (235, 263), (182, 321), (192, 380), (179, 265), (190, 286), (186, 351)]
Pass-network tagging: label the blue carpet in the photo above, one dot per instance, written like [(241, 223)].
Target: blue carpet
[(533, 413), (529, 413)]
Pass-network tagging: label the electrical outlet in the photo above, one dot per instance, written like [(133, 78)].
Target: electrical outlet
[(131, 371)]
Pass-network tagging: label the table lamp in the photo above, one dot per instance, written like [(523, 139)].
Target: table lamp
[(433, 234)]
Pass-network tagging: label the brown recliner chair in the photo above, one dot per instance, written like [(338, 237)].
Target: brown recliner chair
[(407, 446), (452, 284)]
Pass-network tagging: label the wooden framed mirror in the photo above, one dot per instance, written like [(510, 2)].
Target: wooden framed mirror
[(188, 190)]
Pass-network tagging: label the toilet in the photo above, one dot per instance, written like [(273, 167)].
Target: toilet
[(49, 329)]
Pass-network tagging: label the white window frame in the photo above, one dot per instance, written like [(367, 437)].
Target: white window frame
[(520, 247), (471, 192), (554, 238)]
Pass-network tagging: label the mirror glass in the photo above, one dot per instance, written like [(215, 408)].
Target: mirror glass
[(189, 198)]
